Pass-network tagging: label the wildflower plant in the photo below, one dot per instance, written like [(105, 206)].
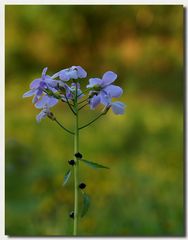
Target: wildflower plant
[(64, 87)]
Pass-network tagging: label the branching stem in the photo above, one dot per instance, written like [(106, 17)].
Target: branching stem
[(67, 130), (70, 105), (83, 92), (84, 100), (82, 106), (100, 115)]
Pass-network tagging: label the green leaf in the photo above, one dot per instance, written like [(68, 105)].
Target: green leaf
[(93, 164), (86, 204), (66, 177)]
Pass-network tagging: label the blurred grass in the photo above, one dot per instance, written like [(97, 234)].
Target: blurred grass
[(142, 193)]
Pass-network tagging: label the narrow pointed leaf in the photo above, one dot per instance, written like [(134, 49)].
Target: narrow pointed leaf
[(93, 164), (86, 204), (66, 177)]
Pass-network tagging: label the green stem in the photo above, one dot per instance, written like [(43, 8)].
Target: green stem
[(70, 105), (66, 102), (67, 130), (82, 106), (101, 114), (76, 168), (84, 100), (88, 89)]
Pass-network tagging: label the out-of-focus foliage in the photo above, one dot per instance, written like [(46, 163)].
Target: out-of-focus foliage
[(142, 193)]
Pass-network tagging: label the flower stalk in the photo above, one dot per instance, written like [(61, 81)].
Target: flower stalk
[(73, 111), (76, 166)]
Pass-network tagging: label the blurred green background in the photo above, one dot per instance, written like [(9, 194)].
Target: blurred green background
[(142, 193)]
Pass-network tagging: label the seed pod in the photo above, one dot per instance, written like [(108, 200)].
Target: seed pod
[(71, 162), (71, 214), (82, 185), (78, 155), (51, 116)]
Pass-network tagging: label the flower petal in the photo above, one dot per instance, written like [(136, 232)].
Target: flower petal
[(113, 91), (50, 81), (41, 115), (60, 83), (63, 75), (29, 93), (73, 85), (35, 83), (52, 101), (42, 102), (35, 99), (44, 72), (118, 108), (94, 101), (72, 73), (39, 92), (56, 75), (68, 91), (105, 99), (108, 78), (93, 82), (42, 85), (81, 72), (52, 89)]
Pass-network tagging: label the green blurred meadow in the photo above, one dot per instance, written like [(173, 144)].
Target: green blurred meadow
[(142, 193)]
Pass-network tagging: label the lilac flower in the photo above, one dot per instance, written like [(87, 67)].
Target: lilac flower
[(103, 89), (45, 111), (94, 101), (48, 90), (38, 85), (50, 101), (118, 107), (73, 72)]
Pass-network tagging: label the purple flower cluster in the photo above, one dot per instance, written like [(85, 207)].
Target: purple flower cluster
[(48, 90)]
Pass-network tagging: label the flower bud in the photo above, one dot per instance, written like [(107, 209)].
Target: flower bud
[(71, 162), (51, 116), (78, 155), (71, 214), (82, 185)]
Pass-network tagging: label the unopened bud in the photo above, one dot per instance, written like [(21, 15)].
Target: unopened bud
[(51, 116)]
